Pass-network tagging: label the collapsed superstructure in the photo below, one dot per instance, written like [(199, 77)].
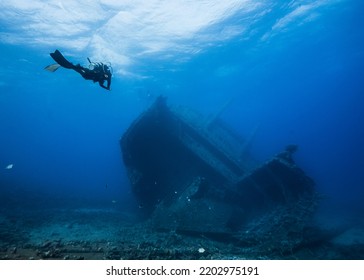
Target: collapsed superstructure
[(195, 175)]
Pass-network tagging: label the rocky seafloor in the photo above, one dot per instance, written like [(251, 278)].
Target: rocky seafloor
[(111, 234)]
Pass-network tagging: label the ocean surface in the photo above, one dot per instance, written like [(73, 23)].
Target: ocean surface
[(292, 70)]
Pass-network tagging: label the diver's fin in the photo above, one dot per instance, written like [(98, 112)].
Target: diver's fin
[(52, 67), (59, 58)]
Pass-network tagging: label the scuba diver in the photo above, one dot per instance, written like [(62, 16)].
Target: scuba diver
[(97, 71)]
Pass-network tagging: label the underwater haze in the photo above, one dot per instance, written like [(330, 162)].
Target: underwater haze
[(291, 70)]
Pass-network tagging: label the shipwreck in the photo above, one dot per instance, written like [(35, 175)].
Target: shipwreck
[(192, 174)]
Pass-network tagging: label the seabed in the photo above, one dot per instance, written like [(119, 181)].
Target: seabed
[(109, 234)]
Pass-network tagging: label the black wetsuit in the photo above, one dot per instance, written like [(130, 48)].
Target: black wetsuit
[(100, 73)]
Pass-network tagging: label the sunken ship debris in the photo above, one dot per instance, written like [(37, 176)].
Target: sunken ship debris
[(195, 175)]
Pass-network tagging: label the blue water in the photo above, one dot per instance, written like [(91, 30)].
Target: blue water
[(303, 85)]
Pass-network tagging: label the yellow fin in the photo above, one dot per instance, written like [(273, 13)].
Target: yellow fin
[(52, 67)]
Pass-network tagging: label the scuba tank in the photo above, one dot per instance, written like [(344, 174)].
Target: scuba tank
[(104, 67)]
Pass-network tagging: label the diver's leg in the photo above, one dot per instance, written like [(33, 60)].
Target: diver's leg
[(84, 72), (60, 59)]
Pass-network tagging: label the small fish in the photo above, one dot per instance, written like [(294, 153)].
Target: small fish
[(113, 201), (10, 166)]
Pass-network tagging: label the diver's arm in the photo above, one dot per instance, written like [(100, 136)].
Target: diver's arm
[(108, 82), (101, 83)]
